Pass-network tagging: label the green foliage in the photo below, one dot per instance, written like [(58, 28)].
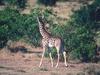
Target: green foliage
[(21, 3), (5, 21), (10, 2), (15, 26), (83, 29), (18, 3), (62, 0), (47, 2), (1, 2), (78, 33)]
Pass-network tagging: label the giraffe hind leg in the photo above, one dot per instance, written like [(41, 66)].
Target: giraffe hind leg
[(42, 56), (64, 55), (58, 54), (65, 61)]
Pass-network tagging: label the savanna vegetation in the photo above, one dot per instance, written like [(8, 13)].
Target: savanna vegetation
[(14, 3), (78, 32)]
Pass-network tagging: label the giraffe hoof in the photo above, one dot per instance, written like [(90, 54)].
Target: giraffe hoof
[(39, 65), (66, 65)]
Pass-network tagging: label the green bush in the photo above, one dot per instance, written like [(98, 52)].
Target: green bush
[(21, 3), (18, 3), (79, 32), (1, 2), (83, 29), (6, 24), (10, 2), (15, 26), (47, 2)]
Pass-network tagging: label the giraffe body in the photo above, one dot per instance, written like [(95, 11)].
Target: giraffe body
[(49, 41)]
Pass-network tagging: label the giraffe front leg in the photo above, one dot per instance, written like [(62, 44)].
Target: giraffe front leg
[(65, 61), (42, 57), (57, 60), (51, 59)]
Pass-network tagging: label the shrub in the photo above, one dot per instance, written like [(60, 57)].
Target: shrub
[(18, 3), (1, 2), (6, 24), (81, 38), (15, 26), (21, 3), (47, 2), (10, 2)]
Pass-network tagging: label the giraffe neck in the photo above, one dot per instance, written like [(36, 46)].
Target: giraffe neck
[(42, 30)]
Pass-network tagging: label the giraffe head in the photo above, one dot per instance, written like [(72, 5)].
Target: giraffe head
[(43, 21)]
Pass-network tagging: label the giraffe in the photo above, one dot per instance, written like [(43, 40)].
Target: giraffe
[(49, 41)]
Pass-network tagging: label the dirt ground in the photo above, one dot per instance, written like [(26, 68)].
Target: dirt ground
[(27, 64)]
